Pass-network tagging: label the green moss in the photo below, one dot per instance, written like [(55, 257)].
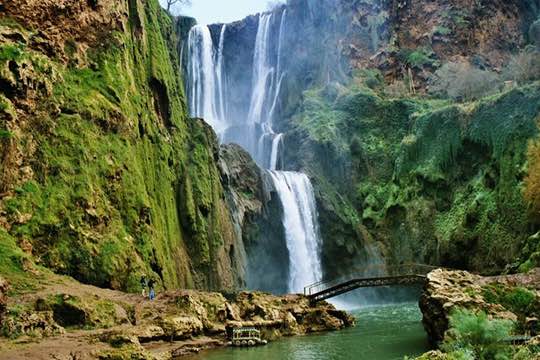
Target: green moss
[(434, 144), (11, 52), (432, 180), (12, 266), (118, 164), (5, 134), (518, 300), (509, 118)]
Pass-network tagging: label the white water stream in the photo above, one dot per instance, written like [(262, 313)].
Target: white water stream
[(301, 230)]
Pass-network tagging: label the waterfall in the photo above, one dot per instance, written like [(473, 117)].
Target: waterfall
[(208, 99), (301, 229), (275, 151), (280, 42), (219, 73), (261, 70), (202, 78)]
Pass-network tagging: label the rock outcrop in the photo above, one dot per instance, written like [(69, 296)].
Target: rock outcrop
[(447, 290), (176, 323)]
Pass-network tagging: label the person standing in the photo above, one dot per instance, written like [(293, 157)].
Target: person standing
[(144, 284), (151, 284)]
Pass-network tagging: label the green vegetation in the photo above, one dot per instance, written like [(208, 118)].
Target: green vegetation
[(441, 30), (13, 263), (419, 57), (475, 334), (117, 190), (518, 300), (423, 171)]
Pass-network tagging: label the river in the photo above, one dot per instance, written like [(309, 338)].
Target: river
[(385, 332)]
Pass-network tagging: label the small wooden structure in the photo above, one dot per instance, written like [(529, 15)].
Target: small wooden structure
[(246, 336)]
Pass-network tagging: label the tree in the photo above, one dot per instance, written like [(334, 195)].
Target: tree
[(173, 6)]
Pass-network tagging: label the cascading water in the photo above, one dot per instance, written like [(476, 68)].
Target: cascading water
[(219, 73), (274, 155), (202, 77), (207, 99), (301, 230)]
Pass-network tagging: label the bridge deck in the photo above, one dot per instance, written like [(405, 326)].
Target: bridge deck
[(402, 275)]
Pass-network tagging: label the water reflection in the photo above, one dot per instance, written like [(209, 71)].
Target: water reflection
[(382, 333)]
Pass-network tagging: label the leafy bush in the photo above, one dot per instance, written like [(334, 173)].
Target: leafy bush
[(518, 300), (523, 67), (372, 78), (476, 333), (419, 57), (5, 134), (461, 81)]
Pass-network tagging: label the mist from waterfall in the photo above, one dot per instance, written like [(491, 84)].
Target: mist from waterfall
[(208, 94)]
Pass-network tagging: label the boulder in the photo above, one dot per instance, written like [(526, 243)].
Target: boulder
[(181, 327), (34, 323), (117, 338)]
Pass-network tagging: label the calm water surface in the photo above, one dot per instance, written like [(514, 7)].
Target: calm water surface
[(382, 333)]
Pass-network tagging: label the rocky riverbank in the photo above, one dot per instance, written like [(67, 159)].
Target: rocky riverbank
[(69, 320)]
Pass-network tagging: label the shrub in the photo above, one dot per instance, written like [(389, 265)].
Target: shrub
[(371, 78), (5, 134), (478, 334), (419, 57), (461, 81), (523, 67), (441, 30), (518, 300)]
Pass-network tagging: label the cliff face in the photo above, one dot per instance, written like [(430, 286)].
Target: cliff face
[(103, 175), (422, 181), (261, 252)]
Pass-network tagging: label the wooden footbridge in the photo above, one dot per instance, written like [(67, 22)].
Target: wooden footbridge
[(370, 276)]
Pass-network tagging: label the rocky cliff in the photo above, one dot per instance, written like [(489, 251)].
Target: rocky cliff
[(103, 175), (421, 181)]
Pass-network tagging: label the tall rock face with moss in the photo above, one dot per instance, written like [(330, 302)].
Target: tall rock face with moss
[(421, 180), (406, 176), (102, 174)]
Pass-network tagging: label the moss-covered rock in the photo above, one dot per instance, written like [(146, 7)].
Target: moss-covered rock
[(103, 174)]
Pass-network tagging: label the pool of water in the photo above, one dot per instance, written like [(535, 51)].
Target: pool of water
[(382, 333)]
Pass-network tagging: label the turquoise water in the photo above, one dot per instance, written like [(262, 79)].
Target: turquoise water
[(382, 333)]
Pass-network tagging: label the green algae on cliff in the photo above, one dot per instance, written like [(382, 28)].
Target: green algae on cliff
[(118, 180)]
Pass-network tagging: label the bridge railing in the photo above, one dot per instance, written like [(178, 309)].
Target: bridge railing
[(369, 272)]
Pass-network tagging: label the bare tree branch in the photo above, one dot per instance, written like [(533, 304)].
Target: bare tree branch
[(173, 6)]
